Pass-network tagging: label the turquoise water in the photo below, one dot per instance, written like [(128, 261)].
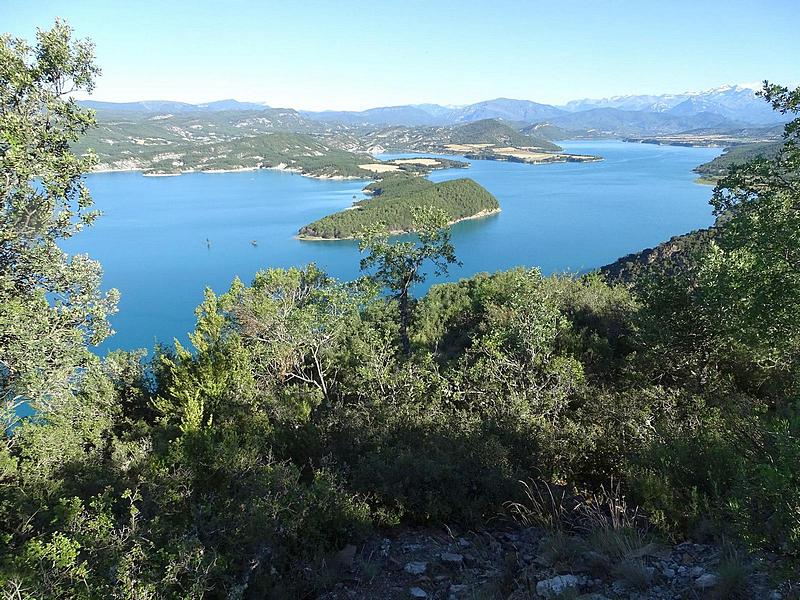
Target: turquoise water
[(161, 240)]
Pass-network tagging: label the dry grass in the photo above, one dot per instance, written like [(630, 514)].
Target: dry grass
[(544, 506), (428, 162), (526, 155), (732, 576), (467, 147), (379, 168)]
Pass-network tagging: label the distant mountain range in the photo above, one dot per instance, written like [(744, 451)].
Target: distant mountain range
[(735, 102), (172, 106), (729, 106), (522, 111)]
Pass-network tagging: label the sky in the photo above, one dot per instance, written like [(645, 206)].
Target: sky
[(352, 54)]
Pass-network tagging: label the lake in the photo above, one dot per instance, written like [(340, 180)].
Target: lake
[(162, 240)]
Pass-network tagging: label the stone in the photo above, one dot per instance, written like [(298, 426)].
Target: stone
[(697, 571), (416, 567), (457, 591), (463, 543), (669, 573), (704, 582), (552, 588), (416, 592), (451, 558)]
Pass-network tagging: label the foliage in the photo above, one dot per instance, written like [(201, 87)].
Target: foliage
[(397, 266), (492, 131), (50, 304), (722, 332), (735, 155), (306, 412)]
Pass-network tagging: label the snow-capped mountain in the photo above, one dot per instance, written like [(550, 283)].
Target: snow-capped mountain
[(735, 102)]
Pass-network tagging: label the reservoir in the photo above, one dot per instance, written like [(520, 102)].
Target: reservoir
[(162, 240)]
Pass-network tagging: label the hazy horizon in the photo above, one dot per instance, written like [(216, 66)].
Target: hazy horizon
[(451, 53), (94, 98)]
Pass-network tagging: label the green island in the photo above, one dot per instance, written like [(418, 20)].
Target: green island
[(393, 202)]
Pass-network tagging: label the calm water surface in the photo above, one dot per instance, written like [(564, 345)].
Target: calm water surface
[(162, 240)]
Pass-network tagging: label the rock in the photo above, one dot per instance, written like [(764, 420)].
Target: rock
[(697, 571), (452, 559), (552, 588), (416, 567), (462, 543), (704, 582), (416, 592), (650, 549), (592, 596), (386, 545), (669, 573), (457, 591), (408, 548)]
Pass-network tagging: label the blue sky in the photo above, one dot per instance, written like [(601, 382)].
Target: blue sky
[(357, 54)]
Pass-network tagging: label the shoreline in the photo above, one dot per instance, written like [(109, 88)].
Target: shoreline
[(479, 215), (280, 167)]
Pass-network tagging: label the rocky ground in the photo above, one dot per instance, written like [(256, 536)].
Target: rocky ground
[(513, 563)]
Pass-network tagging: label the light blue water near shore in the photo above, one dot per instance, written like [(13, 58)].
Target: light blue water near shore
[(152, 238)]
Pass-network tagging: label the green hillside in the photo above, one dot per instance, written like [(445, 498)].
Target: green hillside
[(459, 199), (166, 143), (738, 155), (492, 131)]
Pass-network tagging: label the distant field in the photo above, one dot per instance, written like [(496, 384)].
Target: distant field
[(379, 167), (417, 161)]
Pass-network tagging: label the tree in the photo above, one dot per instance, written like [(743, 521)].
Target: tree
[(50, 303), (755, 261), (398, 266)]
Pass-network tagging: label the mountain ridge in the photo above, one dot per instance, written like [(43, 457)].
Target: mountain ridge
[(727, 107)]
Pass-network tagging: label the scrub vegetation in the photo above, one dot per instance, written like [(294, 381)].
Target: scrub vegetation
[(309, 412)]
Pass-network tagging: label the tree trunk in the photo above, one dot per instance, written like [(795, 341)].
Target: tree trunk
[(405, 322)]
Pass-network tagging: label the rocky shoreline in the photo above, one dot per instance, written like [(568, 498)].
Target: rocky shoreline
[(104, 168)]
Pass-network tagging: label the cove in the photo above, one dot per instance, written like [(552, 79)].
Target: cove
[(162, 240)]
